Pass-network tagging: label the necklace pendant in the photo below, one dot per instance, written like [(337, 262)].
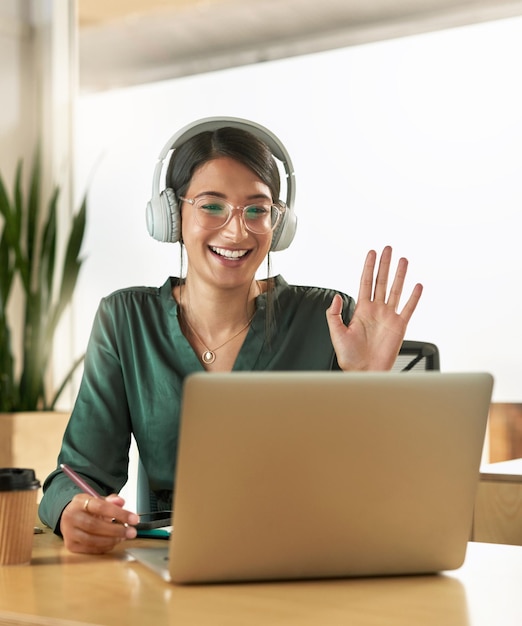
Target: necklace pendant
[(208, 357)]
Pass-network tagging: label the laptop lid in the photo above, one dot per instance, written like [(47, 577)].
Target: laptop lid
[(311, 475)]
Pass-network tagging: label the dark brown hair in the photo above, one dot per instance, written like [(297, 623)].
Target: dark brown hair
[(235, 143)]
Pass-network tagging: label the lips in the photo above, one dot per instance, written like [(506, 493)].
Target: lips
[(229, 254)]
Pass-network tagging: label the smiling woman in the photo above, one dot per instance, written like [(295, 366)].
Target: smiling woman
[(222, 204)]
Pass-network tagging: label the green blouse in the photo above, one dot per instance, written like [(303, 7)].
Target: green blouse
[(136, 361)]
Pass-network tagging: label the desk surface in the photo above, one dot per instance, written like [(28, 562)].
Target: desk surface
[(61, 588), (498, 504), (503, 471)]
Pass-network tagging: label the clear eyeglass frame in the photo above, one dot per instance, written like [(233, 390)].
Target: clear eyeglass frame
[(255, 226)]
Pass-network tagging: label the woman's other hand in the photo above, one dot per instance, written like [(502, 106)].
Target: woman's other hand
[(373, 338), (95, 525)]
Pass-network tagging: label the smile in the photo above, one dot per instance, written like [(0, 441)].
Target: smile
[(229, 254)]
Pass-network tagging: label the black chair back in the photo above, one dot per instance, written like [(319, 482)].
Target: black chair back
[(417, 356)]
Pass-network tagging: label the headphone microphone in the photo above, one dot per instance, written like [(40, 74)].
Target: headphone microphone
[(163, 213)]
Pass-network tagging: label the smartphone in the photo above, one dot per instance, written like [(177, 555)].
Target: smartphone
[(154, 520)]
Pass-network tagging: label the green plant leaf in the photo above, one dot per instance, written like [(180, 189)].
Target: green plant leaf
[(71, 265), (46, 265), (33, 212), (28, 248), (16, 224)]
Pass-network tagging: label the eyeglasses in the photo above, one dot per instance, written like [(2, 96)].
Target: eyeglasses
[(213, 213)]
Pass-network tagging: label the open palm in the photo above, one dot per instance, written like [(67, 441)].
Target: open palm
[(373, 338)]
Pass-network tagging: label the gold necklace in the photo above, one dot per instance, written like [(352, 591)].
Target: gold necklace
[(209, 355)]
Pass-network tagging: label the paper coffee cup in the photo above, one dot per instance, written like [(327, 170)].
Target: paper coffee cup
[(18, 505)]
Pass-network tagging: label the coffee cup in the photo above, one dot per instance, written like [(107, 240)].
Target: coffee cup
[(18, 506)]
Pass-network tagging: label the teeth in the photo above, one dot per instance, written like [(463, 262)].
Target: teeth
[(229, 254)]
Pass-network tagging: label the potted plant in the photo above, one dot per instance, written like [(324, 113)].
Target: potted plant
[(44, 285)]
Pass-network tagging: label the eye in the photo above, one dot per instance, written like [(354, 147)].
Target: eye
[(213, 207), (256, 211)]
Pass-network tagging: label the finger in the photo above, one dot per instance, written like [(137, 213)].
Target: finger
[(87, 540), (381, 282), (398, 283), (366, 284), (411, 305), (109, 509), (122, 516), (98, 530)]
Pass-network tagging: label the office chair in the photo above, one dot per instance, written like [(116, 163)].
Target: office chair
[(417, 356)]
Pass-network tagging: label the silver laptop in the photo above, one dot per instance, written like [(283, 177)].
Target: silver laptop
[(315, 475)]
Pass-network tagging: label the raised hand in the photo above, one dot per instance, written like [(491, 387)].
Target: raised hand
[(373, 338)]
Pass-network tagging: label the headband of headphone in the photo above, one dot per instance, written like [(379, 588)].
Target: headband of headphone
[(163, 213)]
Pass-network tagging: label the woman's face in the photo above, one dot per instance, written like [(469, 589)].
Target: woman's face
[(229, 256)]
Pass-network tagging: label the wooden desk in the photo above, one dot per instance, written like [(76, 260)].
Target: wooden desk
[(65, 589), (498, 506)]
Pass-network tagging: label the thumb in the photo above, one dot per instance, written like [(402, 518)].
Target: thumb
[(333, 313)]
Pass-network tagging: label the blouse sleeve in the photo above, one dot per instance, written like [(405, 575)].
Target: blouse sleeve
[(97, 439)]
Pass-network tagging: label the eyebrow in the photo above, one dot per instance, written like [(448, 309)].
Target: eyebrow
[(217, 194)]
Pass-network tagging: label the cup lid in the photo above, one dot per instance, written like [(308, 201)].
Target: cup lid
[(17, 479)]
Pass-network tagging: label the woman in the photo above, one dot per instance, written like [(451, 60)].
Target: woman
[(223, 205)]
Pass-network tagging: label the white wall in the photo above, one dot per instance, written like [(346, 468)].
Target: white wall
[(18, 112), (414, 142)]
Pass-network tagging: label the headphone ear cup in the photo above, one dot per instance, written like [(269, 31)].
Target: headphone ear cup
[(171, 210), (163, 217), (284, 232)]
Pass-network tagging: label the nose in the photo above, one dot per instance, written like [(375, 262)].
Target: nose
[(235, 229)]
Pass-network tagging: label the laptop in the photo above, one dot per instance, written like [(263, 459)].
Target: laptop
[(303, 475)]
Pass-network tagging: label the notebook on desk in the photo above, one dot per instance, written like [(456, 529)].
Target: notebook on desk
[(313, 475)]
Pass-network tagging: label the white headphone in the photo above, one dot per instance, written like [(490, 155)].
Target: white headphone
[(163, 213)]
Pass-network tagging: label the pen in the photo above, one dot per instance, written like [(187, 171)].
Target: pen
[(79, 482)]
